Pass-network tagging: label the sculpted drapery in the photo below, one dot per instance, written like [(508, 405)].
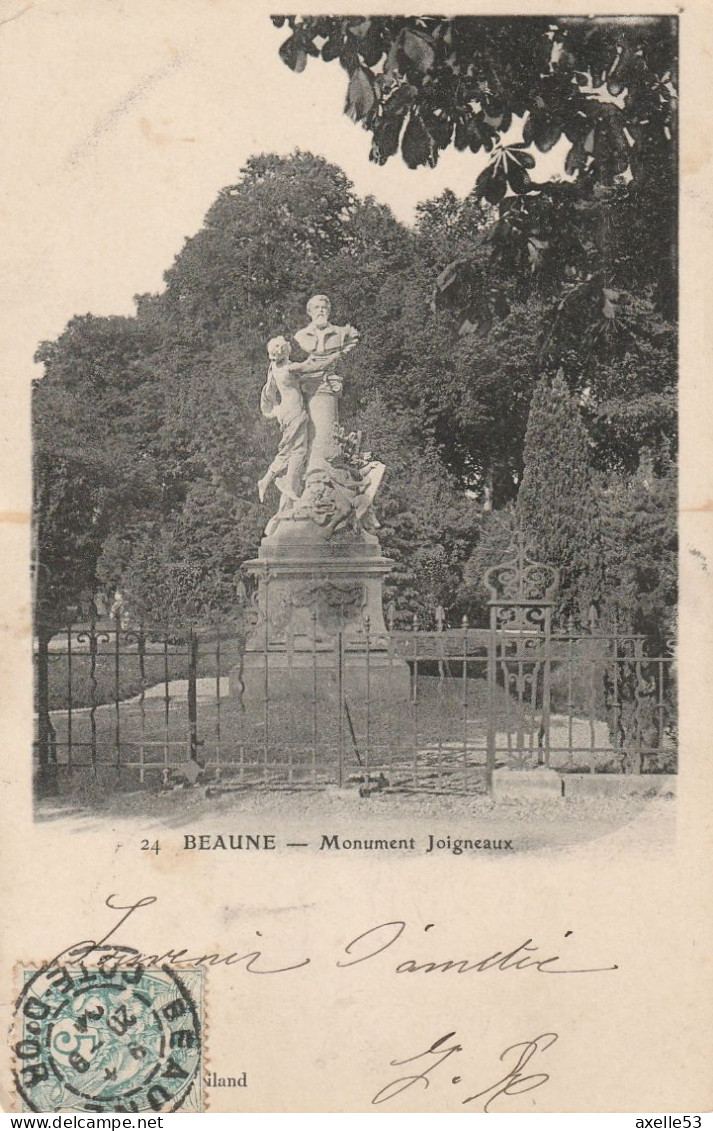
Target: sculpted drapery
[(320, 471)]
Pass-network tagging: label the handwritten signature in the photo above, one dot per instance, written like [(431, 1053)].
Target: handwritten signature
[(513, 1083)]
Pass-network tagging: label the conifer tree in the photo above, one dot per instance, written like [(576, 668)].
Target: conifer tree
[(558, 501)]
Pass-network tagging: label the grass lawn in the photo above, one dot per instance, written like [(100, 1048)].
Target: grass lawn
[(71, 681)]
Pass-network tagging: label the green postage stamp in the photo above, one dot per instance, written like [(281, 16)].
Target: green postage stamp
[(89, 1040)]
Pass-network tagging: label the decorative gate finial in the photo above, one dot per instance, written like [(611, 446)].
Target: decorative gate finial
[(519, 578)]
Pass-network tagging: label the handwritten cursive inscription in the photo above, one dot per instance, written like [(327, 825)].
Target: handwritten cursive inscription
[(525, 956), (371, 945), (399, 947), (513, 1083), (113, 956)]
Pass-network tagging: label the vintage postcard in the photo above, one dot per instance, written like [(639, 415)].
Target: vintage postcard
[(357, 533)]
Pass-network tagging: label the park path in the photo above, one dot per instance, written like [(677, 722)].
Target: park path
[(177, 690), (577, 737)]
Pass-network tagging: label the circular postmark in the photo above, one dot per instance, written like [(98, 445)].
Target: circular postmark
[(89, 1040)]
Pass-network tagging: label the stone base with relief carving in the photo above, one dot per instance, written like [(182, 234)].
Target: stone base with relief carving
[(320, 612)]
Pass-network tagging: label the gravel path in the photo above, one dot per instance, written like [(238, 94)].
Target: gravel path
[(637, 825)]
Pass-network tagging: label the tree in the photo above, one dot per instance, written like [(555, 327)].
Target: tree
[(263, 242), (94, 414), (82, 479), (498, 532), (558, 502), (630, 395), (641, 553), (428, 527), (149, 439), (170, 425), (606, 88)]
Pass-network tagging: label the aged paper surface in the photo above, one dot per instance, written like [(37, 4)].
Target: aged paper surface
[(340, 981)]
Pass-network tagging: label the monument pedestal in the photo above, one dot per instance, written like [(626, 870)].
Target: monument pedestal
[(320, 618), (317, 588)]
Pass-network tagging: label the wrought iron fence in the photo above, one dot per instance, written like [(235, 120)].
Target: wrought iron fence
[(435, 709), (139, 706), (583, 698)]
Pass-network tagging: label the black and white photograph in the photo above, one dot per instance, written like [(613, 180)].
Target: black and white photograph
[(357, 532), (375, 492)]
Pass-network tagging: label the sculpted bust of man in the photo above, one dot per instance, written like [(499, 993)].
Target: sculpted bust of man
[(325, 342)]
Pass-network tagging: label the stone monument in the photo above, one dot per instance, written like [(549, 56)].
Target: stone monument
[(319, 567)]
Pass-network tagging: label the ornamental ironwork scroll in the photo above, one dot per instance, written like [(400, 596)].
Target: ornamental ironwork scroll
[(521, 592), (519, 587)]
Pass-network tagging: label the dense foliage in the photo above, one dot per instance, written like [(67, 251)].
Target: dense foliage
[(513, 90), (559, 498), (149, 442), (549, 264)]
